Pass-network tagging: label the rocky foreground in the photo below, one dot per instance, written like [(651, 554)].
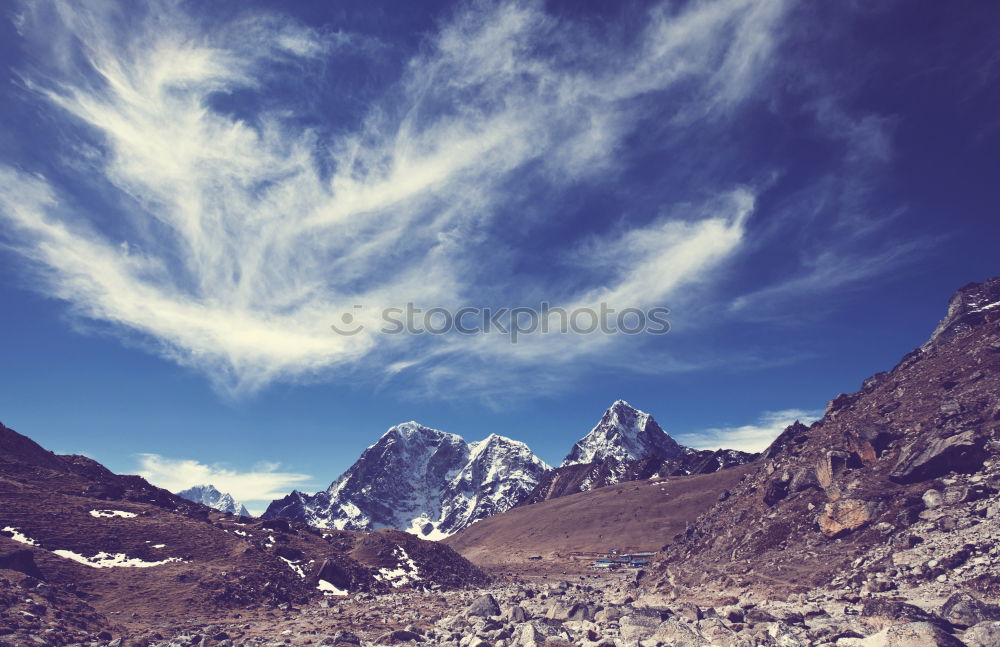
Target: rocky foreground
[(604, 611)]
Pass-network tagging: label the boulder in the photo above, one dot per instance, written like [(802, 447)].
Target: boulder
[(516, 614), (984, 634), (932, 499), (534, 633), (776, 491), (485, 606), (636, 626), (690, 612), (912, 634), (922, 460), (677, 634), (880, 613), (964, 610), (345, 638), (22, 561), (334, 574), (398, 636), (833, 464), (845, 516)]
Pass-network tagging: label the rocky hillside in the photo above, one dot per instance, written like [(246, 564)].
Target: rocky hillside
[(893, 493), (421, 480), (81, 546)]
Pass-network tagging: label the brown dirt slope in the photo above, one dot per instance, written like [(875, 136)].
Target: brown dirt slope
[(631, 516)]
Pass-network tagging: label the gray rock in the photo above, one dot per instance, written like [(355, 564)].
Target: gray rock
[(346, 638), (964, 610), (756, 615), (984, 634), (933, 499), (533, 633), (689, 612), (634, 627), (485, 605), (922, 459), (912, 634), (516, 614), (398, 636), (880, 613), (677, 634)]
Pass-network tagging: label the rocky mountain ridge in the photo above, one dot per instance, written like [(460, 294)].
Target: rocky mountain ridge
[(434, 484), (422, 480)]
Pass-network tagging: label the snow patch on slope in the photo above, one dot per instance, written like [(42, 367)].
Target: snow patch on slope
[(112, 560)]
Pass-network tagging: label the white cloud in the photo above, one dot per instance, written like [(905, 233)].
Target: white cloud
[(753, 437), (260, 485), (232, 247)]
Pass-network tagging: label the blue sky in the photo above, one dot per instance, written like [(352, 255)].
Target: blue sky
[(191, 195)]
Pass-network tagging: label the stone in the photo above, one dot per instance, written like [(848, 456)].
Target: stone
[(923, 460), (984, 634), (965, 610), (677, 634), (334, 574), (880, 613), (776, 491), (833, 464), (755, 615), (731, 614), (22, 561), (346, 638), (484, 605), (715, 630), (635, 626), (933, 499), (912, 634), (845, 516), (689, 611), (533, 633), (516, 614), (398, 636)]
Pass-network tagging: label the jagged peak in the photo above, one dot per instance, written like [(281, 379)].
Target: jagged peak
[(412, 429), (970, 301), (623, 432), (496, 440)]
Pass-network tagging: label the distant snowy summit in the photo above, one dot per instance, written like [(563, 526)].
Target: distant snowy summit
[(624, 434), (210, 496), (423, 480), (433, 483), (628, 445)]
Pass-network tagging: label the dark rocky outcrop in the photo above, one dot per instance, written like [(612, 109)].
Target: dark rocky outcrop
[(924, 459)]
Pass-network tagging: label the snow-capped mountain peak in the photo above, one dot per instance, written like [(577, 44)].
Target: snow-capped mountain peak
[(423, 480), (210, 496), (624, 433)]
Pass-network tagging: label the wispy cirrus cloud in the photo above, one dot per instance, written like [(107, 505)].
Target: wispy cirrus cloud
[(229, 235), (201, 202)]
